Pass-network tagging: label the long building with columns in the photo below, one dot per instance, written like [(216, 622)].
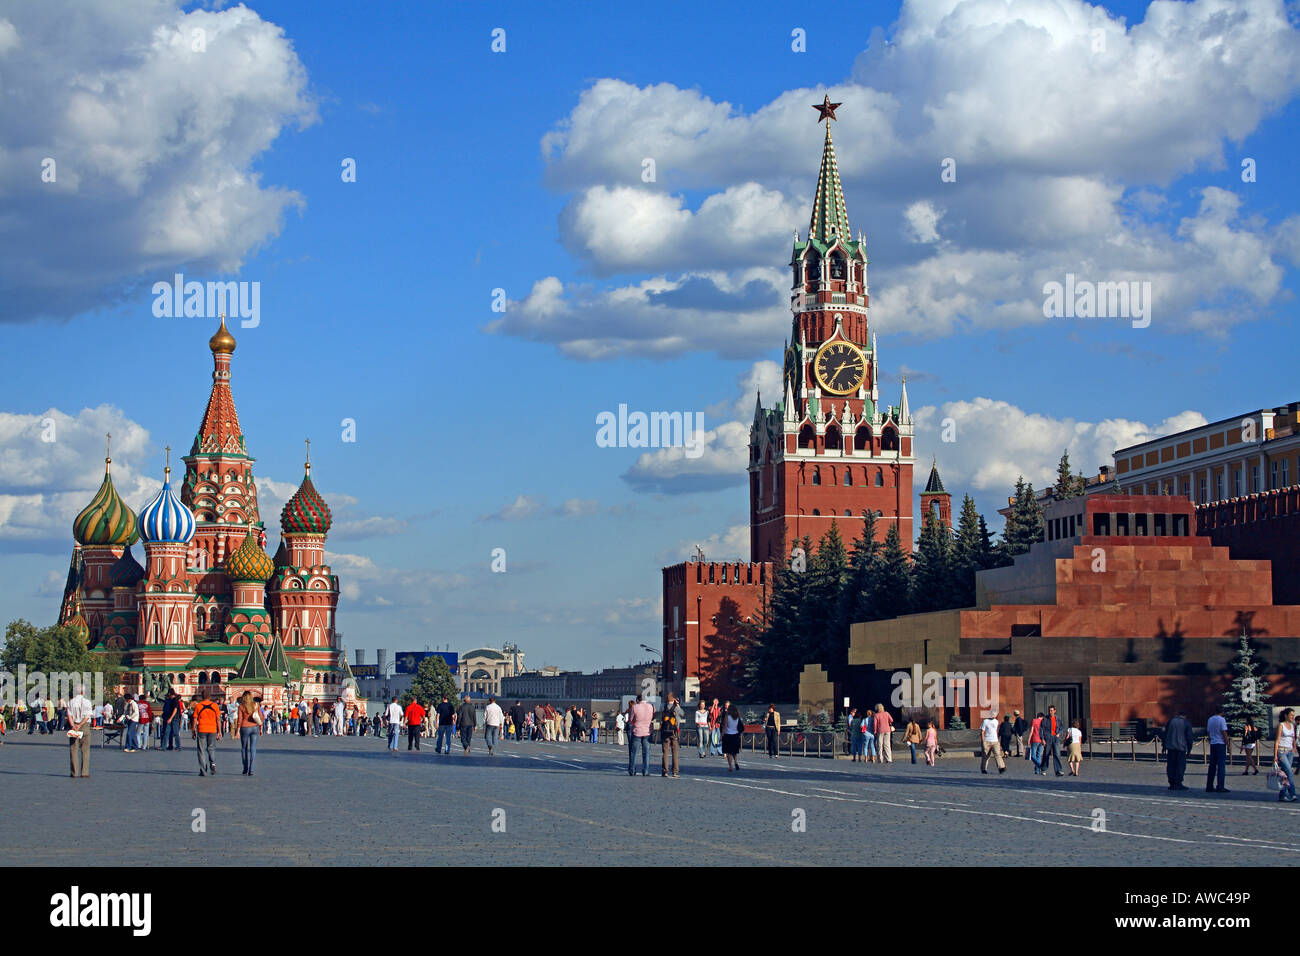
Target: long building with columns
[(208, 608)]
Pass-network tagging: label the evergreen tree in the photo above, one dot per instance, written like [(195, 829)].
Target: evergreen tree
[(1024, 525), (971, 553), (822, 615), (1067, 485), (855, 605), (889, 591), (1248, 696), (934, 573), (779, 649)]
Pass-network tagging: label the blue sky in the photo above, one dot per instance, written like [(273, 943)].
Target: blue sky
[(521, 171)]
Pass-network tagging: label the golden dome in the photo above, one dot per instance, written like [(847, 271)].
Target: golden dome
[(222, 341)]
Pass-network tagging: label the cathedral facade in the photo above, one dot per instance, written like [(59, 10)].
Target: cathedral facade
[(208, 608), (829, 450)]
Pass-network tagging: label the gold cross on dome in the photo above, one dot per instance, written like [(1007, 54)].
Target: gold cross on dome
[(108, 445), (308, 441), (168, 450)]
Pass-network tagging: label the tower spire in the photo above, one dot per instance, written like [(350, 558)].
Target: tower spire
[(830, 218)]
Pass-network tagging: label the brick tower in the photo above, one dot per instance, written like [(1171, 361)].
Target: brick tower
[(935, 498), (829, 450)]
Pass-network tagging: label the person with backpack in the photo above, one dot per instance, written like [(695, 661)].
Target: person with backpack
[(670, 723), (912, 736), (206, 724)]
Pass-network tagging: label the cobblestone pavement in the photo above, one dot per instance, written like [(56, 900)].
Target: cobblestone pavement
[(329, 801)]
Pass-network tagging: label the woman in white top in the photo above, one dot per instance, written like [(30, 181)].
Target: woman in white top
[(620, 722), (1284, 754), (702, 727), (1075, 753)]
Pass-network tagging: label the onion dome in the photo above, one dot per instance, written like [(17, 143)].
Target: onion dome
[(165, 520), (78, 623), (249, 562), (106, 521), (126, 571), (306, 512), (222, 342)]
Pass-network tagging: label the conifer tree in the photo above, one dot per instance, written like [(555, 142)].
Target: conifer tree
[(1248, 696), (855, 605), (890, 589), (1068, 485), (969, 553), (827, 572), (1024, 525), (933, 577)]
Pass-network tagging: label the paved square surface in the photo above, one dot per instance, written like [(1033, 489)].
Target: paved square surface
[(331, 801)]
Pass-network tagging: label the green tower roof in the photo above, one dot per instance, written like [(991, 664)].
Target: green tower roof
[(254, 669)]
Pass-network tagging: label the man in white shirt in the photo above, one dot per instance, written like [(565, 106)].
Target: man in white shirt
[(394, 724), (1217, 730), (79, 714), (989, 735), (493, 718)]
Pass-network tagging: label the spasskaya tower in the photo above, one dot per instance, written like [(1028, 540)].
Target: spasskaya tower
[(829, 450)]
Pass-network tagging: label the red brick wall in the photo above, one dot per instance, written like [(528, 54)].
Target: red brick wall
[(716, 618)]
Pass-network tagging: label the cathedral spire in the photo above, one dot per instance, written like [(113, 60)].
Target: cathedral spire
[(830, 218), (220, 430)]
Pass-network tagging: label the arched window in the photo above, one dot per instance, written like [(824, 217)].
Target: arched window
[(837, 266), (848, 513), (862, 439), (203, 677), (889, 440), (848, 477), (215, 678), (817, 511), (817, 476), (832, 437), (200, 619), (807, 437), (812, 269), (880, 478)]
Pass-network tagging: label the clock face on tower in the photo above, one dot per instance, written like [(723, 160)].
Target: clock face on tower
[(840, 367)]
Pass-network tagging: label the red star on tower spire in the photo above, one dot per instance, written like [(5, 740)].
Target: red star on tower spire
[(826, 110)]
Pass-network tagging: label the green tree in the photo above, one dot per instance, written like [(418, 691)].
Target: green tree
[(1024, 525), (855, 603), (972, 552), (889, 591), (432, 679), (778, 649), (1068, 485), (934, 572), (822, 616), (58, 649), (1248, 696)]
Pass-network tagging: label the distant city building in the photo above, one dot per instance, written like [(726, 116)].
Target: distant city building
[(612, 683), (484, 668)]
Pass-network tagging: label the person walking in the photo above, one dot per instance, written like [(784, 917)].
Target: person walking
[(855, 734), (702, 727), (1034, 754), (1216, 729), (1284, 750), (1074, 756), (414, 723), (1006, 731), (1250, 737), (1178, 743), (1050, 730), (206, 728), (131, 719), (931, 742), (670, 724), (517, 718), (493, 718), (715, 729), (249, 721), (446, 711), (989, 736), (1018, 728), (642, 715), (620, 728), (394, 716), (79, 713), (732, 730), (884, 727), (772, 730), (466, 721), (912, 736), (173, 707)]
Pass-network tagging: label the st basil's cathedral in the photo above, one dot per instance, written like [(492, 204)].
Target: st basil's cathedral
[(208, 608)]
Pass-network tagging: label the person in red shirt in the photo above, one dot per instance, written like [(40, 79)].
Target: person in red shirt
[(414, 724)]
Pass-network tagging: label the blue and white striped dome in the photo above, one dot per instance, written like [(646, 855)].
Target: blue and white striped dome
[(165, 520)]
